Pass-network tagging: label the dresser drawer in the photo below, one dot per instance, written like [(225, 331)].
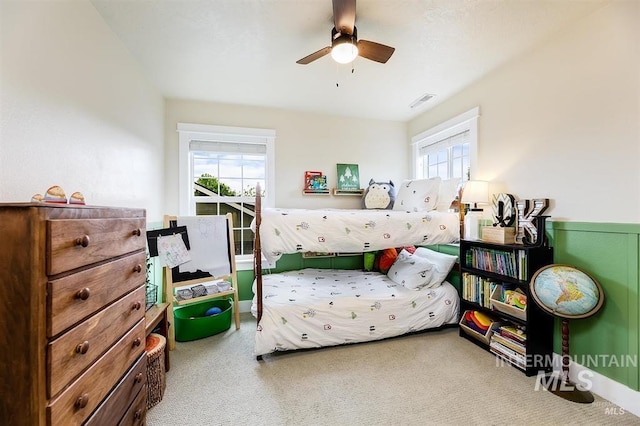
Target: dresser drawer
[(137, 412), (78, 401), (76, 296), (72, 243), (76, 349), (130, 388)]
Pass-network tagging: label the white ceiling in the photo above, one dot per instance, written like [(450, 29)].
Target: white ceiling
[(245, 51)]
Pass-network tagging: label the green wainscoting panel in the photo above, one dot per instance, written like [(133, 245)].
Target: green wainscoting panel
[(608, 342), (292, 262), (245, 282)]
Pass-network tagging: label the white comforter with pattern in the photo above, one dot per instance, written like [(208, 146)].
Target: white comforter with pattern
[(312, 308)]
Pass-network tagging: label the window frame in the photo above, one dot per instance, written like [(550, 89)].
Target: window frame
[(212, 133), (467, 121)]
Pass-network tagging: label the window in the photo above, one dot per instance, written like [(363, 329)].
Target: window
[(448, 150), (219, 170)]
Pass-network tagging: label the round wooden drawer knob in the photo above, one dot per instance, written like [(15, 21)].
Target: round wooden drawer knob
[(83, 241), (137, 342), (136, 306), (137, 268), (82, 401), (82, 348), (83, 294), (136, 232)]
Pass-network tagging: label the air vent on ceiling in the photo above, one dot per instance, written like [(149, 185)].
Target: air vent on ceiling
[(422, 99)]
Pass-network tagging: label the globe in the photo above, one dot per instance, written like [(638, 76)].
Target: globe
[(566, 292)]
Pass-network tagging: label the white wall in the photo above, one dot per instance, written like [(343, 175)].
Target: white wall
[(563, 121), (304, 141), (76, 110)]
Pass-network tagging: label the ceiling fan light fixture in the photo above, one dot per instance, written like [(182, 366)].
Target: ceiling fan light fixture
[(344, 49)]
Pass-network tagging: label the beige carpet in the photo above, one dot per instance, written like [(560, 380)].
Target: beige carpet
[(428, 378)]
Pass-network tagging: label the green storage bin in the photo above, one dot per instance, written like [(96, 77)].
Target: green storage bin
[(192, 324)]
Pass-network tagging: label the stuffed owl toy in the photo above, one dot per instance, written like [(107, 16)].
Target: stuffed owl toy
[(379, 195)]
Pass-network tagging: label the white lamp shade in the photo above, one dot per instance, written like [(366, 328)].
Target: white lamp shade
[(475, 191)]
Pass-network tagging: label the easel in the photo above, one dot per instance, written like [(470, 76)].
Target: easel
[(168, 294)]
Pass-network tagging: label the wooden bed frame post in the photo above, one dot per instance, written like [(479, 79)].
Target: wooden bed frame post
[(257, 254)]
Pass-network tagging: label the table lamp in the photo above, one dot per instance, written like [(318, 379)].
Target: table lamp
[(474, 192)]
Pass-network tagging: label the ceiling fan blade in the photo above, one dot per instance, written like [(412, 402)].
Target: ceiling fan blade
[(315, 55), (375, 51), (344, 15)]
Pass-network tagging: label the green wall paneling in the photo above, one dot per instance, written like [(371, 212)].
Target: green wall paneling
[(608, 342), (245, 281)]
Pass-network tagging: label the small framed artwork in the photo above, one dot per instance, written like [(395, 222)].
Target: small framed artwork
[(348, 177)]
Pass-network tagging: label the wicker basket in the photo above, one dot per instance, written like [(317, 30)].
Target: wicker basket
[(156, 384)]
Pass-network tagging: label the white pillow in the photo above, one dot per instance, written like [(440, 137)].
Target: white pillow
[(411, 271), (417, 195), (447, 193), (442, 264)]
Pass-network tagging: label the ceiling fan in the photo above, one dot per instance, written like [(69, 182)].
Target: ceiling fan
[(345, 46)]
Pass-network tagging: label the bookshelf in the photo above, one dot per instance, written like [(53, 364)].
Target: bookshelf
[(522, 337)]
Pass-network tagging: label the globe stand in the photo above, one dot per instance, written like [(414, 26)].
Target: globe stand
[(560, 384), (572, 284)]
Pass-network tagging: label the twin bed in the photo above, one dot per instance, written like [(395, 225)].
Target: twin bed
[(312, 308)]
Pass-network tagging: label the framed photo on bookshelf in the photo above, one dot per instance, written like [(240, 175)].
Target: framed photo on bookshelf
[(348, 177)]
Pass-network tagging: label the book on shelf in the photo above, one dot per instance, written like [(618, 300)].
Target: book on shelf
[(477, 289), (510, 355), (516, 333), (309, 177), (315, 182), (509, 343), (500, 262)]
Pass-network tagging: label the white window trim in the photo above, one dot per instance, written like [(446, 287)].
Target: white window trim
[(463, 122), (206, 132)]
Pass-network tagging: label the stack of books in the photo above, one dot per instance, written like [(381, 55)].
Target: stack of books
[(509, 342), (509, 263), (477, 289)]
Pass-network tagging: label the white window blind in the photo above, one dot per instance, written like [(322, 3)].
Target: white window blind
[(458, 139), (228, 147)]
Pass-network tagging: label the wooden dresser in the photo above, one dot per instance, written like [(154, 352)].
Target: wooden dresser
[(72, 306)]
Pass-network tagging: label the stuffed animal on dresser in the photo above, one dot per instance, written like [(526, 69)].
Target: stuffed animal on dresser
[(379, 195)]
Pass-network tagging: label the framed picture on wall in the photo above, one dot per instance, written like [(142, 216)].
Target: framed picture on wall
[(348, 177)]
